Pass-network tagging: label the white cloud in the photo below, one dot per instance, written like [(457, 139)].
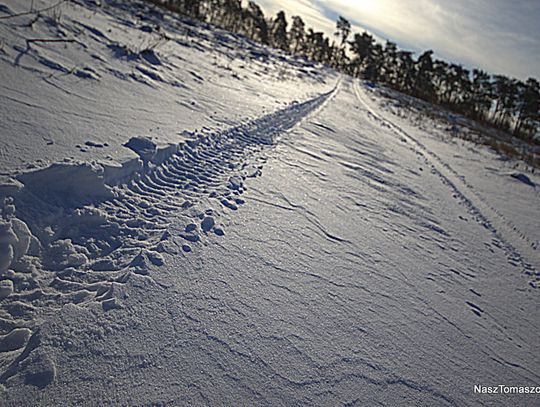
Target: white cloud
[(312, 14), (496, 35)]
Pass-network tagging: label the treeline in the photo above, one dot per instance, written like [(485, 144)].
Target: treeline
[(501, 101)]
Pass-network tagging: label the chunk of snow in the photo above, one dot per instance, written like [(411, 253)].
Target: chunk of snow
[(207, 223), (523, 178)]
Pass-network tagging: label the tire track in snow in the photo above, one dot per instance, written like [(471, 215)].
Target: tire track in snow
[(63, 250), (211, 168), (514, 242)]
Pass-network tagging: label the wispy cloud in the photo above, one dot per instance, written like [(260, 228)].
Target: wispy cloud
[(313, 14), (497, 35)]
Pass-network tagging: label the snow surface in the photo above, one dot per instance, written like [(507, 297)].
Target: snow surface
[(210, 222)]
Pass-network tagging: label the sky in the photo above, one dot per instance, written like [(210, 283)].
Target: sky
[(499, 36)]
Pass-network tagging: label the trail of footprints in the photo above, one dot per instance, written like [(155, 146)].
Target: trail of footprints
[(52, 255)]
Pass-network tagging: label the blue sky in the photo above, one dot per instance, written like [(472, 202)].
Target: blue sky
[(500, 36)]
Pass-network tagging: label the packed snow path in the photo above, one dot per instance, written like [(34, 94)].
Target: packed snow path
[(511, 238), (354, 269)]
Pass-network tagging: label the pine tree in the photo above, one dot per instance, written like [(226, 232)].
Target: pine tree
[(254, 24), (390, 63), (297, 35), (482, 94), (406, 72), (343, 30), (338, 58), (361, 47), (423, 86), (528, 108), (225, 13), (278, 32), (506, 96), (374, 61)]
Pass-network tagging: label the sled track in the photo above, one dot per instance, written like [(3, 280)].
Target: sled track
[(519, 249), (85, 251)]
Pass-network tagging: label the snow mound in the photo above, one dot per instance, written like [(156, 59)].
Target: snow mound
[(523, 178)]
